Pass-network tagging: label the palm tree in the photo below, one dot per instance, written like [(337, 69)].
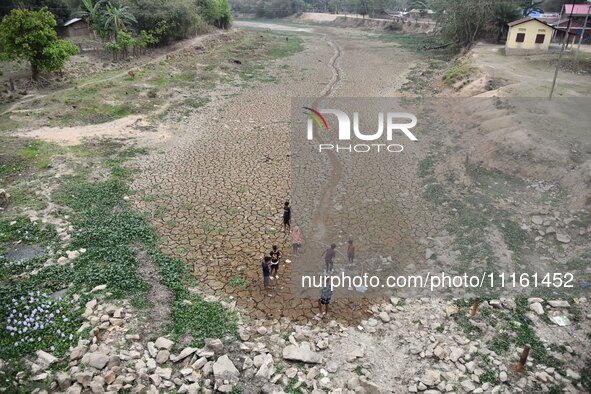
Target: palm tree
[(117, 17), (505, 13), (90, 12)]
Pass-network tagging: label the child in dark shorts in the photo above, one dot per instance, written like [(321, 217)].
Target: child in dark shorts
[(329, 255), (275, 259), (266, 274), (324, 300), (286, 217)]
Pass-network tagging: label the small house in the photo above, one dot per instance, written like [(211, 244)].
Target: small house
[(528, 36), (76, 27)]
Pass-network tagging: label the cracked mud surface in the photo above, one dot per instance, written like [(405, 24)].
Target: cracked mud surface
[(216, 192)]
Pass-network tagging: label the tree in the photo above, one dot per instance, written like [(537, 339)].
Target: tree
[(505, 13), (463, 22), (216, 12), (117, 17), (59, 8), (30, 35), (91, 13)]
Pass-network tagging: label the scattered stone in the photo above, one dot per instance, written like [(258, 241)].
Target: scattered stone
[(295, 353), (559, 304), (98, 360), (110, 377), (162, 356), (537, 220), (165, 373), (186, 352), (163, 343), (215, 345), (456, 353), (537, 308), (45, 358), (384, 316), (98, 288), (91, 304), (572, 374), (63, 380), (262, 330), (563, 238), (224, 369), (244, 334)]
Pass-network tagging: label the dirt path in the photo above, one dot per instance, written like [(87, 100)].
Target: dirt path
[(216, 189)]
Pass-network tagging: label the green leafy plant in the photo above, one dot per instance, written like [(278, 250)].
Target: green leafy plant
[(30, 35)]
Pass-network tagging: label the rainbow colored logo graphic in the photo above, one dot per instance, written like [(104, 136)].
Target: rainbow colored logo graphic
[(317, 117)]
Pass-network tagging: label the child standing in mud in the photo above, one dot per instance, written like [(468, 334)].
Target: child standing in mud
[(325, 296), (296, 240), (266, 274), (286, 217), (351, 251), (329, 255), (275, 258)]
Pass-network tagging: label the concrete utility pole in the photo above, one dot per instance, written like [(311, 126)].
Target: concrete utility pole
[(583, 33), (562, 49)]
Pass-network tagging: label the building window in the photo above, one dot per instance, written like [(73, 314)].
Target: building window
[(540, 38), (520, 37)]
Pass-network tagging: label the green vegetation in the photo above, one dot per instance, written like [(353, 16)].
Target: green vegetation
[(514, 236), (517, 330), (30, 36), (465, 21), (238, 281), (23, 155), (293, 387), (112, 235), (459, 71), (111, 95)]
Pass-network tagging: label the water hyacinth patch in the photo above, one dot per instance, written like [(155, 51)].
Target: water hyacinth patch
[(25, 230), (34, 321), (9, 268)]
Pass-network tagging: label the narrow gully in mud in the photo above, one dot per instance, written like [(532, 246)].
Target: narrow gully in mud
[(319, 217)]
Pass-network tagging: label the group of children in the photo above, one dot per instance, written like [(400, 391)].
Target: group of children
[(270, 263), (270, 266)]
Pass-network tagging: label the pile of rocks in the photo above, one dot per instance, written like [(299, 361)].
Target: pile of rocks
[(416, 341)]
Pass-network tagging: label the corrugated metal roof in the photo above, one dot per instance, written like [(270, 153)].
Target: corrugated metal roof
[(579, 9)]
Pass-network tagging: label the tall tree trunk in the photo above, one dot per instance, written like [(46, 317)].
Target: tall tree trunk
[(34, 72), (500, 35)]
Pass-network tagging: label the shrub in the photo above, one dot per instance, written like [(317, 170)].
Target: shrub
[(168, 20), (31, 36)]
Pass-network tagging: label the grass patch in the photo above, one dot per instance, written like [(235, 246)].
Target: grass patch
[(427, 166), (238, 281), (21, 155), (460, 70), (519, 331), (421, 44), (296, 387), (112, 234), (514, 236), (435, 193)]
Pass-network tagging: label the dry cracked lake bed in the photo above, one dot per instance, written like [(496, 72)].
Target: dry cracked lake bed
[(159, 191)]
